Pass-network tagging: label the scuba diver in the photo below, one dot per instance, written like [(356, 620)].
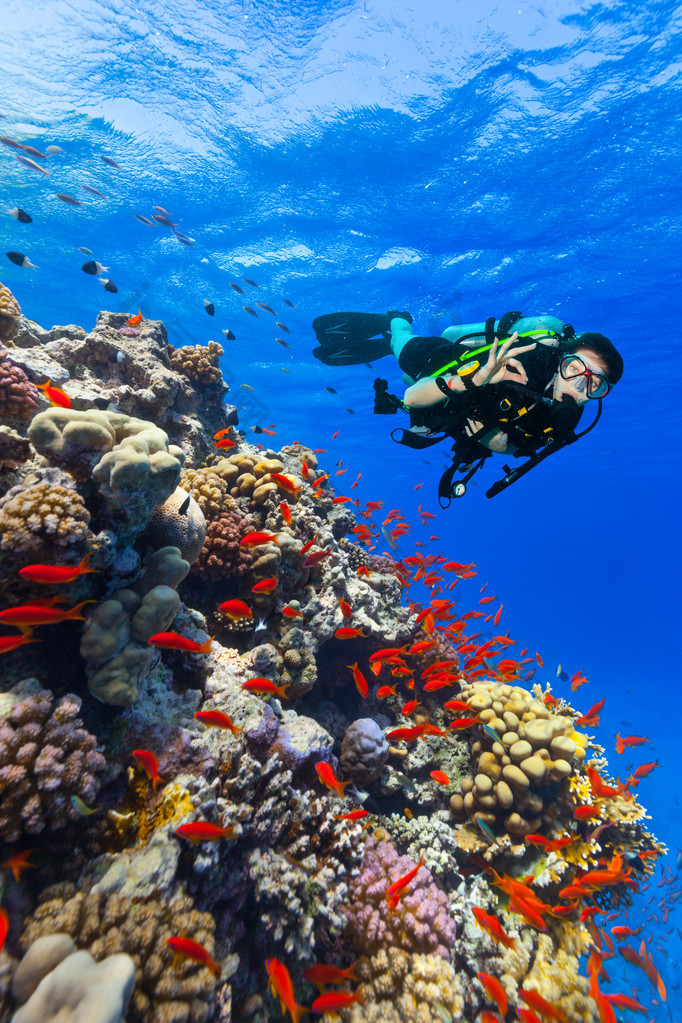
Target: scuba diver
[(515, 386)]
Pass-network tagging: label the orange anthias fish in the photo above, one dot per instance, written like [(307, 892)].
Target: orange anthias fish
[(18, 862), (236, 609), (135, 320), (174, 641), (4, 926), (224, 444), (285, 483), (266, 585), (495, 992), (492, 926), (325, 773), (9, 643), (334, 1001), (258, 539), (550, 845), (204, 831), (346, 632), (410, 707), (148, 763), (629, 740), (291, 612), (185, 948), (55, 395), (320, 975), (280, 983), (345, 609), (57, 574), (644, 769), (360, 680), (440, 777), (407, 734), (541, 1005), (354, 815), (265, 685), (286, 512), (222, 433), (395, 891), (384, 691), (217, 719), (42, 614)]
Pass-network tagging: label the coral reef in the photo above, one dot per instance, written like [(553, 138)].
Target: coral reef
[(199, 364), (46, 758), (399, 987), (43, 512), (19, 398), (178, 522), (221, 556), (10, 311), (364, 751)]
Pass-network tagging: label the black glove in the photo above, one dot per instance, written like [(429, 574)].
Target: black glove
[(394, 312), (384, 404)]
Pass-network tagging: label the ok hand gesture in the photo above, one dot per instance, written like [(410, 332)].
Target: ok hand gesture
[(500, 359)]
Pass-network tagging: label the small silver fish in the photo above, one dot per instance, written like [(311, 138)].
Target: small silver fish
[(249, 280), (31, 151), (54, 150), (68, 199), (85, 250), (162, 211), (388, 538), (110, 163), (93, 191), (31, 164), (80, 807), (289, 303), (144, 220)]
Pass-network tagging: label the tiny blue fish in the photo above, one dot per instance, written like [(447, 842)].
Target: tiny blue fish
[(492, 733), (485, 828), (80, 807)]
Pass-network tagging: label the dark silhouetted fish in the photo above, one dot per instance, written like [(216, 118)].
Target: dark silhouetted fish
[(289, 303), (160, 219), (93, 191), (235, 287), (21, 260), (331, 390), (229, 335), (108, 285), (68, 199), (110, 163), (10, 143), (249, 280), (267, 308), (30, 151), (21, 215), (93, 267), (352, 411), (282, 342), (209, 307), (250, 311), (283, 326), (183, 239)]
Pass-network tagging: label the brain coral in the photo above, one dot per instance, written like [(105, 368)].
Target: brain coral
[(46, 757), (422, 921), (179, 522), (44, 510), (221, 556), (19, 398), (106, 925)]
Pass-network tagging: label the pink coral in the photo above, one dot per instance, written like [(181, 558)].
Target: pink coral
[(19, 398), (422, 921), (46, 757), (221, 556)]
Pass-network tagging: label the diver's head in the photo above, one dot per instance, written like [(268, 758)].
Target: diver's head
[(589, 367)]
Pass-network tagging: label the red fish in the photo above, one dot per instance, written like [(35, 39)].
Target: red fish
[(407, 734), (527, 1016), (456, 705), (291, 612), (440, 777), (354, 815), (541, 1005), (280, 983), (204, 831), (55, 395), (334, 1001), (360, 680), (265, 685), (42, 613), (9, 643), (286, 512), (461, 723), (174, 641), (4, 926), (410, 707), (549, 845), (345, 609), (57, 574), (325, 773), (224, 444), (586, 813), (320, 975), (17, 863), (134, 321), (495, 992), (395, 891), (625, 1002), (346, 632), (644, 769), (629, 740), (285, 483), (222, 433), (148, 763), (236, 609), (185, 948), (266, 585), (492, 926), (384, 691), (316, 557), (217, 719), (258, 539)]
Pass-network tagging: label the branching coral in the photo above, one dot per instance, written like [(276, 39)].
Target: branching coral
[(422, 923), (10, 311), (19, 398), (43, 511), (107, 925), (221, 556), (199, 364), (46, 757)]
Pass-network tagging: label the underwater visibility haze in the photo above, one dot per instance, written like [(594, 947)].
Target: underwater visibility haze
[(267, 710)]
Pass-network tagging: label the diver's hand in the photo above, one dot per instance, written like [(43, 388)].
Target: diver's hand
[(499, 360), (494, 440)]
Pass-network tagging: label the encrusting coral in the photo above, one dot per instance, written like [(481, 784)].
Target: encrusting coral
[(46, 758), (107, 925), (19, 398)]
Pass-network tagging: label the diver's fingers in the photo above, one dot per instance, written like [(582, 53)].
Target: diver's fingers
[(518, 351)]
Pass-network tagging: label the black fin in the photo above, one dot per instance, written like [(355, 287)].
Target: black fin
[(351, 339)]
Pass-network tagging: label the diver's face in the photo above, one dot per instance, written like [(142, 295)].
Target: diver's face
[(576, 386)]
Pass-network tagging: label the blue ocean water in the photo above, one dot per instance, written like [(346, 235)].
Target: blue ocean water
[(453, 159)]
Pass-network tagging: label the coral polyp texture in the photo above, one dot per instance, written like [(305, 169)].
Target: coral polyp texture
[(217, 754)]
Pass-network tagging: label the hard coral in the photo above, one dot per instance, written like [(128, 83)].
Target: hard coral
[(45, 510), (199, 364), (10, 311), (222, 556), (179, 522), (421, 923), (19, 398), (209, 490), (46, 757), (403, 988), (107, 925), (364, 751)]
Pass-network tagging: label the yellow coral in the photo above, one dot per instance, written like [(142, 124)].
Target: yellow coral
[(401, 988), (209, 490), (42, 513)]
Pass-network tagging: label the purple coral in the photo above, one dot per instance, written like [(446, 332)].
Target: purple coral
[(221, 556), (19, 398), (422, 920), (46, 757), (129, 331)]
